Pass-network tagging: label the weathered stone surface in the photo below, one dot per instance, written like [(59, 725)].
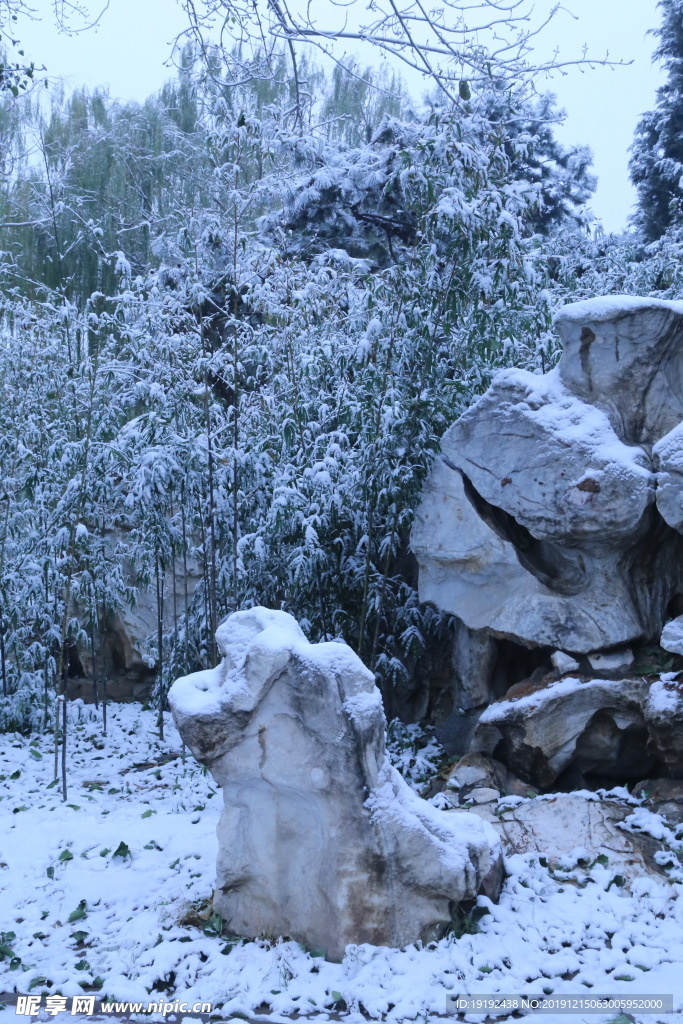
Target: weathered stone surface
[(548, 520), (582, 731), (564, 663), (476, 772), (667, 457), (551, 461), (572, 831), (664, 715), (595, 727), (672, 636), (320, 838), (624, 354), (612, 661), (470, 568)]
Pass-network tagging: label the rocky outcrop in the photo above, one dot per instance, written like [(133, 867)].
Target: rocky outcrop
[(575, 731), (552, 517), (320, 838)]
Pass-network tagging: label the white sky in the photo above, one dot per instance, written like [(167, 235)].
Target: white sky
[(129, 52)]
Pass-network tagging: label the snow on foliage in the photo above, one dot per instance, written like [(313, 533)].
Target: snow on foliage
[(258, 382)]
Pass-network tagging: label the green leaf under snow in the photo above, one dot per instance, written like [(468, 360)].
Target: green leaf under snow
[(79, 912)]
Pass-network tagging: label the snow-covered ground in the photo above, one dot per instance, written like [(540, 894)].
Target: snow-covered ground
[(105, 893)]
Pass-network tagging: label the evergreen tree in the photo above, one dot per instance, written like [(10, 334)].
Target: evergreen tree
[(657, 153)]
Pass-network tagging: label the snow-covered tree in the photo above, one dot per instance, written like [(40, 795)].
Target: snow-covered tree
[(657, 153)]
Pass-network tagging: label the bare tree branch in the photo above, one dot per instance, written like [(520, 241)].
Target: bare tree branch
[(458, 41)]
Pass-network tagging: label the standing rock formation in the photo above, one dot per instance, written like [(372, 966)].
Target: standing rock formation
[(554, 515), (320, 838)]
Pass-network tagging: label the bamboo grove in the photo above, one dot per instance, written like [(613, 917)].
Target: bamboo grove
[(233, 331)]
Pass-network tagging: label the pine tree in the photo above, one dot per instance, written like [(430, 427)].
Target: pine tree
[(657, 153)]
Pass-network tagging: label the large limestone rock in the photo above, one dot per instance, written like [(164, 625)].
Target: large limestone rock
[(554, 515), (320, 838), (577, 731)]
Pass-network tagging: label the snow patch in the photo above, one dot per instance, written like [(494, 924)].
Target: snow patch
[(608, 307)]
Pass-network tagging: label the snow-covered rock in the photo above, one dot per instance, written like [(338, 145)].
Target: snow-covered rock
[(596, 730), (672, 636), (564, 663), (320, 838), (581, 835), (611, 661), (593, 727), (623, 354), (664, 714), (547, 520)]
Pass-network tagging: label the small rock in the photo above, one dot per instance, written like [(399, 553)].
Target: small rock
[(476, 771), (672, 636), (614, 661), (671, 812), (564, 662), (660, 790), (484, 795)]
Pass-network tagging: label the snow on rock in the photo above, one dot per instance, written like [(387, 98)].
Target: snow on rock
[(604, 308), (586, 726), (549, 519), (664, 715), (610, 835), (623, 355), (616, 729), (320, 838), (672, 636), (612, 661), (564, 662)]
